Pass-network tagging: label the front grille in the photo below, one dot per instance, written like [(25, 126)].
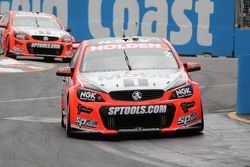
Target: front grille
[(41, 38), (44, 51), (138, 121), (127, 95)]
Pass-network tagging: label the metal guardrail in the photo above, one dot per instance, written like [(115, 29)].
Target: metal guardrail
[(243, 13)]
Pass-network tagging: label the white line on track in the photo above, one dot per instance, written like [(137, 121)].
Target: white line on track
[(30, 99), (34, 119), (221, 85), (226, 110)]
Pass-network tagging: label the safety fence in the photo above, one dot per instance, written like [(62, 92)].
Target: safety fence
[(243, 13)]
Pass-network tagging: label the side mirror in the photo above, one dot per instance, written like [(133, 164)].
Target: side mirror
[(192, 66), (3, 25), (64, 72), (75, 45), (68, 29)]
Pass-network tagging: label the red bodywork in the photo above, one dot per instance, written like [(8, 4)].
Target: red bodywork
[(75, 121), (12, 46)]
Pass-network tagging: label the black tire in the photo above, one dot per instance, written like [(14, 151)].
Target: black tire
[(8, 54), (49, 59), (201, 128), (62, 121), (68, 127)]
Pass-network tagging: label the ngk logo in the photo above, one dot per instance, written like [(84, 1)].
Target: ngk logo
[(184, 92), (84, 95)]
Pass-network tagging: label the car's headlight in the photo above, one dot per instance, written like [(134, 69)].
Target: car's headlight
[(183, 92), (88, 96), (21, 36), (67, 39)]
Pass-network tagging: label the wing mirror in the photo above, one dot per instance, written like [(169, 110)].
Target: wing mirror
[(68, 29), (75, 45), (192, 66), (64, 72)]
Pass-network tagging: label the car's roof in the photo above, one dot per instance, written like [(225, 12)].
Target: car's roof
[(24, 13), (120, 40)]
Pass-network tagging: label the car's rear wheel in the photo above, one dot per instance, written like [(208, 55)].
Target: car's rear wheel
[(62, 121)]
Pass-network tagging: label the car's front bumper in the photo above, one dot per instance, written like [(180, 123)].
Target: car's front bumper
[(176, 118), (37, 48)]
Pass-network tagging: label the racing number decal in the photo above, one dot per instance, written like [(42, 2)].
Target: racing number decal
[(135, 82)]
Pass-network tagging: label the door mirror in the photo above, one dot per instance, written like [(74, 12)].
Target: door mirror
[(64, 72), (68, 29), (75, 46), (3, 25), (192, 66)]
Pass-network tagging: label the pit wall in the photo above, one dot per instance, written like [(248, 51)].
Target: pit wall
[(193, 26)]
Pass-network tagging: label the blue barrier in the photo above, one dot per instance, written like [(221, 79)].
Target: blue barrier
[(243, 96), (242, 37), (193, 26)]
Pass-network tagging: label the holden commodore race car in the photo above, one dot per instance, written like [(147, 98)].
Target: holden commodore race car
[(134, 84), (34, 34)]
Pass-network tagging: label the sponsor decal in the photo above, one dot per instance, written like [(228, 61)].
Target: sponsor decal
[(132, 82), (137, 110), (135, 77), (137, 96), (32, 15), (186, 119), (87, 96), (125, 46), (46, 46), (184, 92), (87, 123)]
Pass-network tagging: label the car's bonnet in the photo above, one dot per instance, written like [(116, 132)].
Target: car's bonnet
[(133, 80), (41, 31)]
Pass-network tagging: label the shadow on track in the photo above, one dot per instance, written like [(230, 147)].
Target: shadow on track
[(135, 136)]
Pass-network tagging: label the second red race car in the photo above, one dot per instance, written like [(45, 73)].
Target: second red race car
[(136, 84), (34, 34)]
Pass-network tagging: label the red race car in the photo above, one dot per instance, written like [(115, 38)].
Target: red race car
[(34, 34), (136, 84)]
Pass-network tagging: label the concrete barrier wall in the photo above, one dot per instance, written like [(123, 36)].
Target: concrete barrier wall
[(193, 26)]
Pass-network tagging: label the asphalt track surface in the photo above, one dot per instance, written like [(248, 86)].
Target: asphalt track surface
[(31, 136)]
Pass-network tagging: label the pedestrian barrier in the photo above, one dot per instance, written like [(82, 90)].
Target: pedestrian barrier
[(243, 96)]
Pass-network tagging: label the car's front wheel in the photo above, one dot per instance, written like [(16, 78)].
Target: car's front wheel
[(68, 126), (201, 125), (7, 49)]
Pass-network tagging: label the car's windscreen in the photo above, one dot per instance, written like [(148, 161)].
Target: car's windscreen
[(32, 21), (128, 59)]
